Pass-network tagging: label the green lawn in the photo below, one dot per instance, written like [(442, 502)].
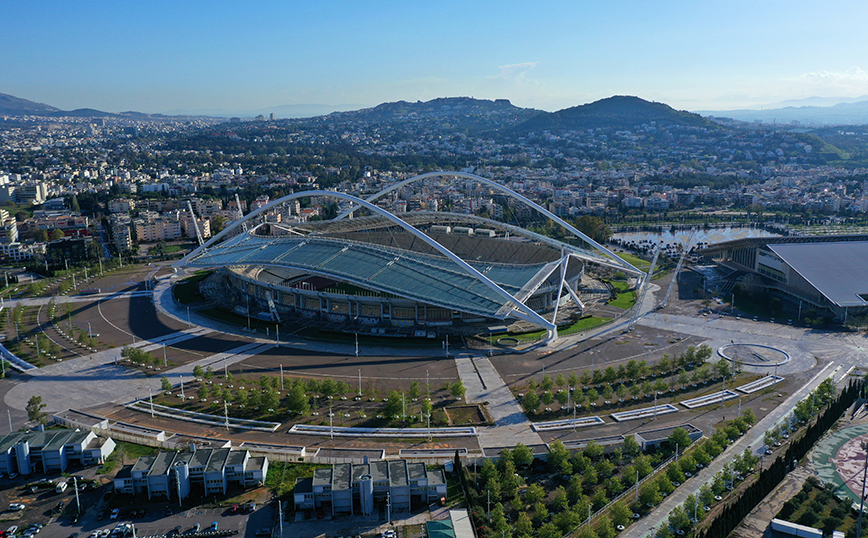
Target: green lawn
[(635, 261), (281, 476), (580, 325), (185, 292), (124, 450), (624, 300)]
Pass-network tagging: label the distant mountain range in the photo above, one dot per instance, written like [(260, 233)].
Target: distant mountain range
[(15, 106), (821, 112), (619, 112)]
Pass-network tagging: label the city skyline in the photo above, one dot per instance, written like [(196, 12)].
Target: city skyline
[(171, 58)]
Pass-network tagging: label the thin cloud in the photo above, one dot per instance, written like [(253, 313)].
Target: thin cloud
[(854, 74), (515, 71)]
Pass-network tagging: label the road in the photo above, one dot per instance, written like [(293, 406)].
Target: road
[(752, 440)]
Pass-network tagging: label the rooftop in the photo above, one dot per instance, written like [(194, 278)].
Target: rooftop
[(838, 270)]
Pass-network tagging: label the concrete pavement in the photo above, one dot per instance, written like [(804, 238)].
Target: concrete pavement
[(484, 384)]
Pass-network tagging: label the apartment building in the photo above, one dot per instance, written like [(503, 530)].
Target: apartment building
[(157, 229), (349, 488), (51, 450), (178, 474)]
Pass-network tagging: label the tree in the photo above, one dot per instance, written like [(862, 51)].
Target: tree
[(165, 384), (509, 480), (218, 222), (680, 438), (198, 371), (561, 501), (202, 393), (678, 518), (56, 234), (458, 389), (559, 457), (549, 530), (530, 402), (540, 514), (523, 525), (40, 235), (621, 515), (573, 379), (604, 527), (631, 447), (722, 368), (534, 493), (414, 390), (35, 411), (560, 380), (649, 493), (593, 450), (271, 400), (498, 521), (522, 455), (393, 407), (594, 227)]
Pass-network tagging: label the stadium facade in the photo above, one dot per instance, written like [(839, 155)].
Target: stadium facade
[(826, 273), (417, 269)]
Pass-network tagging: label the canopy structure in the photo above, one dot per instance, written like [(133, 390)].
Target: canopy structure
[(492, 277)]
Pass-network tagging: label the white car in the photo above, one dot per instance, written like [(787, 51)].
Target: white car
[(12, 530), (15, 507)]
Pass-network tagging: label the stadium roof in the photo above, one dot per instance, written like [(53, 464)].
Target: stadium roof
[(837, 270), (422, 277), (492, 280)]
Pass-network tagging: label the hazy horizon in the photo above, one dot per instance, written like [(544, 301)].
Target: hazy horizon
[(169, 56)]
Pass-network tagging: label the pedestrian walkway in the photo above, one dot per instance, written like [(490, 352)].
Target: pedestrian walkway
[(484, 384), (97, 379)]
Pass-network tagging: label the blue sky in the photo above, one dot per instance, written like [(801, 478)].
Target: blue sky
[(235, 56)]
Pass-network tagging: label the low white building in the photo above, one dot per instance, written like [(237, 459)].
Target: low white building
[(178, 474), (51, 450)]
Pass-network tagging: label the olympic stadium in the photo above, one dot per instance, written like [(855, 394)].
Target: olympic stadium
[(374, 269)]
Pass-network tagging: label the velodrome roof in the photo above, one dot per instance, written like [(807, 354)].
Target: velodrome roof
[(837, 270), (414, 275)]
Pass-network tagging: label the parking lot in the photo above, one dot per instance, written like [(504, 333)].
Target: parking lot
[(157, 518)]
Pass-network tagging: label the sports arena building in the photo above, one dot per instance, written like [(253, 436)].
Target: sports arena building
[(828, 273), (417, 270)]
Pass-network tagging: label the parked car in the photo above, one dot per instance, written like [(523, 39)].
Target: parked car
[(263, 532), (15, 507), (196, 527), (214, 526), (115, 513)]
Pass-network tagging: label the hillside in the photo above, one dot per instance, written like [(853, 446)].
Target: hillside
[(458, 113), (16, 106), (617, 112)]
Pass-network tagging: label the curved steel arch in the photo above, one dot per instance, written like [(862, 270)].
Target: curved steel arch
[(512, 194), (521, 309)]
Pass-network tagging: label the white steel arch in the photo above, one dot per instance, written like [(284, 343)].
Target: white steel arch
[(512, 194), (520, 310)]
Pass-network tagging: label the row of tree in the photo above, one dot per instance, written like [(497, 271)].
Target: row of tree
[(734, 513)]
